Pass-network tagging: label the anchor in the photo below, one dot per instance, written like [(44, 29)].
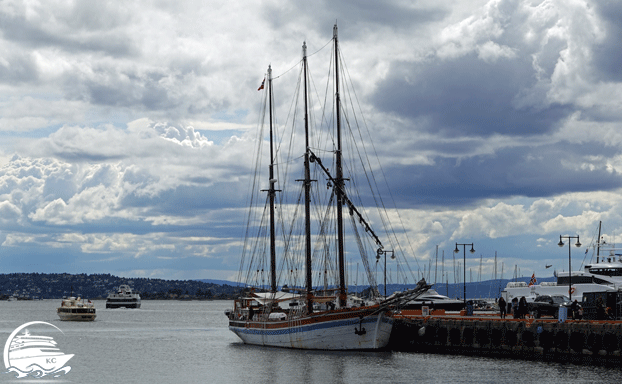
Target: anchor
[(361, 330)]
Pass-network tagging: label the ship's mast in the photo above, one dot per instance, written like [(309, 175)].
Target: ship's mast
[(307, 182), (339, 179), (271, 191)]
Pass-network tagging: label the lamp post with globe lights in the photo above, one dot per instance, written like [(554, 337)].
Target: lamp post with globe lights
[(561, 244), (472, 250), (380, 252)]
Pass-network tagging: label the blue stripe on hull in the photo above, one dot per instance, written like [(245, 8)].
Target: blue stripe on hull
[(307, 328)]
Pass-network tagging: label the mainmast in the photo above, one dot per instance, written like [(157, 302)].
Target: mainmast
[(339, 179), (271, 191), (307, 182)]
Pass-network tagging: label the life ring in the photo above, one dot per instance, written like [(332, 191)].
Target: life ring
[(571, 290)]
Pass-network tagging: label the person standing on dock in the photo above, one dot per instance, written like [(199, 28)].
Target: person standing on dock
[(522, 307), (574, 308), (502, 307), (600, 309)]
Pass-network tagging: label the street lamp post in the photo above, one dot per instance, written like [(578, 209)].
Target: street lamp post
[(561, 244), (464, 267), (380, 252)]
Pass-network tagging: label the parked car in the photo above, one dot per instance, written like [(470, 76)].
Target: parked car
[(547, 305)]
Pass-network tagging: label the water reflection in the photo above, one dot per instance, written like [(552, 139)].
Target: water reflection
[(280, 365)]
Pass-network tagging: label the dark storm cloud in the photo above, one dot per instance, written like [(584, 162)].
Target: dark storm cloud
[(467, 96), (608, 54), (124, 88), (188, 200), (73, 32), (542, 171), (354, 17)]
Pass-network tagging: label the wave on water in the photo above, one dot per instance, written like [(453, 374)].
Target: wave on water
[(37, 371)]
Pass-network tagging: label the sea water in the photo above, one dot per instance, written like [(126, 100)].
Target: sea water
[(188, 342)]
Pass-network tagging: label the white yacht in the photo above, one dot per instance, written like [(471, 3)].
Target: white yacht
[(435, 300), (604, 273), (76, 309), (124, 297)]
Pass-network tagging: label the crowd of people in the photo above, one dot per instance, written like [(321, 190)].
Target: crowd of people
[(519, 309)]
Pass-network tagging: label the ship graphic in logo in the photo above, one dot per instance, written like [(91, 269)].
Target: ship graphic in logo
[(26, 354)]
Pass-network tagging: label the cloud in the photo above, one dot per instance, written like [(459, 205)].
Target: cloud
[(129, 132)]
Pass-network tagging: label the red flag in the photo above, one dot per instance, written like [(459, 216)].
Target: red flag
[(262, 83), (533, 280)]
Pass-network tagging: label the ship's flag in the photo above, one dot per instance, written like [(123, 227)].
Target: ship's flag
[(262, 83), (533, 280), (586, 250)]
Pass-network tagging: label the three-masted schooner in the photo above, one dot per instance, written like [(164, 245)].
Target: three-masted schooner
[(301, 317)]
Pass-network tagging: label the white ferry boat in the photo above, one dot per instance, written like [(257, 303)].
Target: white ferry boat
[(76, 309), (124, 297)]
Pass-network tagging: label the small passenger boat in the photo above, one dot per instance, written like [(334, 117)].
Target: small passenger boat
[(76, 309)]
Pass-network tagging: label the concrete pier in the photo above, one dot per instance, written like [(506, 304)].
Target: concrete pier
[(577, 341)]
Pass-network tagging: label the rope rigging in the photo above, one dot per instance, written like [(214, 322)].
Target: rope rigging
[(287, 162)]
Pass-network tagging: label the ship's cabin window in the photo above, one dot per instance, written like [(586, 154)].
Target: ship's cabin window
[(607, 271)]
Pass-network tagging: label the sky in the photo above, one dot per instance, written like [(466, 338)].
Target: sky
[(126, 128)]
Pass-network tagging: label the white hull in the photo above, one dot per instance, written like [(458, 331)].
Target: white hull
[(324, 332)]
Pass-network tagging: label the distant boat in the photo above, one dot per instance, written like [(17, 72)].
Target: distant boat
[(123, 297), (76, 309)]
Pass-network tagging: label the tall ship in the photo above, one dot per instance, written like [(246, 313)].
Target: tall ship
[(602, 274), (123, 297), (281, 306)]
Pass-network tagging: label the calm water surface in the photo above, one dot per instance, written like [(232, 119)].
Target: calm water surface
[(176, 341)]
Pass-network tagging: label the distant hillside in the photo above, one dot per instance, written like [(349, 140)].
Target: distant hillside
[(221, 282), (58, 285)]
